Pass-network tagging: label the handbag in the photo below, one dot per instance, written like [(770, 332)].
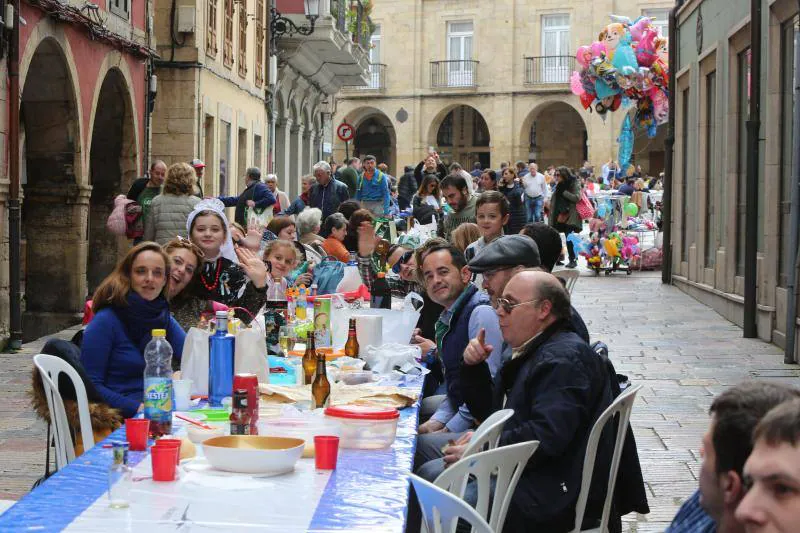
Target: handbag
[(563, 218), (117, 223), (261, 217), (328, 274), (584, 207)]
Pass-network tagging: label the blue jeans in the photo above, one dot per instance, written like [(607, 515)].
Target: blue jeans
[(534, 208)]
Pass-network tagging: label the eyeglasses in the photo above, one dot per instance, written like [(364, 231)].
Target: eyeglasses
[(490, 273), (507, 306), (189, 244)]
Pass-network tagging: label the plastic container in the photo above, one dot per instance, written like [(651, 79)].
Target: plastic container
[(356, 377), (300, 428), (365, 427)]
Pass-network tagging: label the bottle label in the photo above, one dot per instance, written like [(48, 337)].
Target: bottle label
[(158, 399), (240, 429)]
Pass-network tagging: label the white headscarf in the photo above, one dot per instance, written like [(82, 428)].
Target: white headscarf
[(215, 205)]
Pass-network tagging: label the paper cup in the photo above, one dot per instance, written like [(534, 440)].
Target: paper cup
[(164, 461), (369, 330), (183, 391), (136, 431)]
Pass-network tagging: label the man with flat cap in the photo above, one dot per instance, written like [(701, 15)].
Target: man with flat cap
[(501, 259)]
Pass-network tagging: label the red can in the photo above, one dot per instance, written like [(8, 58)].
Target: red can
[(249, 382)]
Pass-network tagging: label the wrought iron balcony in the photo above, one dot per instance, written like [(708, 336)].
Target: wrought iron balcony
[(376, 77), (548, 70), (454, 73)]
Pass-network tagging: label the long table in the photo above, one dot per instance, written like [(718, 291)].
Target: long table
[(368, 491)]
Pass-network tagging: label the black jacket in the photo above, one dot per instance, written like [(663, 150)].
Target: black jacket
[(419, 171), (518, 217), (407, 186), (558, 387)]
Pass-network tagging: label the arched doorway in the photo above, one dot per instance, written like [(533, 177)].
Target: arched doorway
[(556, 135), (463, 137), (112, 167), (54, 204), (375, 136)]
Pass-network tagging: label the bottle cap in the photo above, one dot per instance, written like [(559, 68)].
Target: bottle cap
[(222, 314), (159, 333), (381, 274)]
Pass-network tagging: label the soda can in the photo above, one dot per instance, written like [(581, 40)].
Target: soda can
[(249, 382)]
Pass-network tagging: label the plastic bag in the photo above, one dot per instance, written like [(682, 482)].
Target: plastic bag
[(384, 359), (328, 274), (398, 326), (194, 360), (116, 222), (250, 355), (424, 231)]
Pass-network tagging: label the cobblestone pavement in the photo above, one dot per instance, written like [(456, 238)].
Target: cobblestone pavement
[(680, 350)]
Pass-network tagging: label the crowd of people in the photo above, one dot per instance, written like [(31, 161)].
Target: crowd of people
[(497, 329)]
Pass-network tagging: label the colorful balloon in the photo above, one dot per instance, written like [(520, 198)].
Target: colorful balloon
[(631, 209)]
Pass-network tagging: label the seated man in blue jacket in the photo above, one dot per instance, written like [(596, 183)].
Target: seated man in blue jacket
[(255, 195)]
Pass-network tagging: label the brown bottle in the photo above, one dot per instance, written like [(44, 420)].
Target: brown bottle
[(351, 347), (309, 359), (321, 388)]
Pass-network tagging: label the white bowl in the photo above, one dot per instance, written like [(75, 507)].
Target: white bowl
[(252, 454), (199, 435)]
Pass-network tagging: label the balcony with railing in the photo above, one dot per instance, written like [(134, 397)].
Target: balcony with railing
[(552, 72), (454, 73), (376, 77)]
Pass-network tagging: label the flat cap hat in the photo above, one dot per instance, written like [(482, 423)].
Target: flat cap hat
[(507, 251)]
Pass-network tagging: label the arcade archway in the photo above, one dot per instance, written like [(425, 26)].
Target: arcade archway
[(375, 135), (463, 137), (555, 134)]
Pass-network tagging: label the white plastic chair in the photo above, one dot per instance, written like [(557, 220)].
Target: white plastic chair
[(505, 464), (570, 277), (50, 367), (487, 436), (623, 405), (441, 510)]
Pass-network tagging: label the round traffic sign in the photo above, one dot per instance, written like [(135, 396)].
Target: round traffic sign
[(345, 132)]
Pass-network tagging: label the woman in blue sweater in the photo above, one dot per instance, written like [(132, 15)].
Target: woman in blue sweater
[(128, 305)]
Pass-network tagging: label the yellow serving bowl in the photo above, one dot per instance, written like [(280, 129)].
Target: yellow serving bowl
[(253, 454)]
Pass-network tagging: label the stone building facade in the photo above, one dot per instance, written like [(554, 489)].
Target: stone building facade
[(486, 82), (712, 97), (82, 139)]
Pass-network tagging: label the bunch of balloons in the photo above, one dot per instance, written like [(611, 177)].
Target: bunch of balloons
[(628, 64)]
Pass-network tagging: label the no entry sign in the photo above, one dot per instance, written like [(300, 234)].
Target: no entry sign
[(345, 132)]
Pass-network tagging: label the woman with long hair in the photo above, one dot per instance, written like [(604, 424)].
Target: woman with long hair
[(428, 193), (509, 185), (563, 211), (128, 305), (168, 212), (353, 224), (185, 261)]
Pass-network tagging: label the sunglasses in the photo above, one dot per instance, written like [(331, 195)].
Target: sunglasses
[(507, 306), (402, 261)]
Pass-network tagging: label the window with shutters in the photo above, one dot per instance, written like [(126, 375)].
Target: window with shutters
[(211, 31), (227, 30), (121, 8), (259, 43), (242, 38), (556, 65)]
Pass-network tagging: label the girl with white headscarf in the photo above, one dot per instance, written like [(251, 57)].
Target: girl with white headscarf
[(232, 276)]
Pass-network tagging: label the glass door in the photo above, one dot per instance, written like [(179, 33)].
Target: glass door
[(459, 54), (555, 65)]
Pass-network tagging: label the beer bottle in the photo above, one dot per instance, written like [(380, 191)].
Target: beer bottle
[(309, 359), (321, 388), (351, 347)]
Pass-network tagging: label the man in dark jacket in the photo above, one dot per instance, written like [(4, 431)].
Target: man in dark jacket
[(406, 187), (256, 195), (558, 388), (349, 175), (327, 193)]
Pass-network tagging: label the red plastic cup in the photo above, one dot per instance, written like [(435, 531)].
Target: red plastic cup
[(163, 458), (136, 431), (326, 451), (171, 443)]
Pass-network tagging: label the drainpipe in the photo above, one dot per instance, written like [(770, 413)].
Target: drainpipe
[(15, 279), (669, 145), (751, 185), (793, 259)]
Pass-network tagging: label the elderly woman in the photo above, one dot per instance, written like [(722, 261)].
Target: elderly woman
[(169, 211), (281, 199), (308, 226), (301, 201)]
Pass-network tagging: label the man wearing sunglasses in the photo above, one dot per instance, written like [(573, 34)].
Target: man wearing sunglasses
[(557, 387)]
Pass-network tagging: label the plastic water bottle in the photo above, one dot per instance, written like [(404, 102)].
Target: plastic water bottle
[(158, 395), (352, 278), (220, 362)]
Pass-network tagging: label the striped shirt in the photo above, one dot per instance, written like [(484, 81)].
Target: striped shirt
[(691, 518)]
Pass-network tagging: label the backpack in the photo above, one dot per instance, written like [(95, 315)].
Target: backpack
[(328, 274)]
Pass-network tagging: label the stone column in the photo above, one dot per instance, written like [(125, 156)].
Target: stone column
[(308, 149), (295, 160), (282, 132)]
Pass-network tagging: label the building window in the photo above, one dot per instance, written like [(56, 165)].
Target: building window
[(742, 106), (712, 197), (459, 54), (227, 47), (660, 18), (241, 160), (685, 175), (208, 175), (120, 7), (257, 151), (788, 33), (242, 38), (375, 59), (259, 43), (224, 157), (211, 31), (556, 65)]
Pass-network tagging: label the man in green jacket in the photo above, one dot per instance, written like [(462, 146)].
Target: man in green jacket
[(350, 175)]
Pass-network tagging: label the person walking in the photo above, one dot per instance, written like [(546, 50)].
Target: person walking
[(563, 212), (406, 187), (256, 195), (350, 174), (169, 210), (327, 194), (535, 193), (281, 198), (510, 187), (373, 189), (143, 190)]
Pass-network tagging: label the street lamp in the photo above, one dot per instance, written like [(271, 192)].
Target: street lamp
[(280, 25)]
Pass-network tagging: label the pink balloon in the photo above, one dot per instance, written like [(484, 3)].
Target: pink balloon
[(584, 56), (598, 48)]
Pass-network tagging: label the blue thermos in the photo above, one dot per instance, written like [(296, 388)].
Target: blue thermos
[(220, 362)]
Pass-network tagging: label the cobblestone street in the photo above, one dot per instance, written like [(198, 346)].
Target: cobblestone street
[(681, 351)]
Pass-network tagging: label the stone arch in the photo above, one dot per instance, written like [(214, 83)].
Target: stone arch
[(56, 198), (374, 135), (565, 141), (475, 145), (112, 167)]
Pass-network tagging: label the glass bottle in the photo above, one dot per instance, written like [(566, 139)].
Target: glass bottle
[(120, 477), (351, 346), (309, 359), (220, 367), (321, 388), (240, 416)]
